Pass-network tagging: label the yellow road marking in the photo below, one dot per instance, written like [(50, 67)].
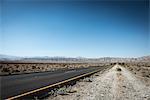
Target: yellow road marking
[(46, 87)]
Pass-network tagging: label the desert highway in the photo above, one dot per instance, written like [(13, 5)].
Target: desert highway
[(14, 85)]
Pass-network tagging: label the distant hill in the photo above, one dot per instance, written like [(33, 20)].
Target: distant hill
[(46, 59), (145, 58), (8, 57)]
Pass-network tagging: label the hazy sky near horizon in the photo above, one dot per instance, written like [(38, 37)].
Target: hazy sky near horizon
[(75, 28)]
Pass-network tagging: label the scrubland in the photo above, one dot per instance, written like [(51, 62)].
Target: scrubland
[(20, 68)]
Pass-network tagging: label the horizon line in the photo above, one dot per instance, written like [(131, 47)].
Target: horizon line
[(40, 56)]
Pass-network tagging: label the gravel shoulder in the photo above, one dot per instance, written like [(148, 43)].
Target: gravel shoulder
[(112, 84)]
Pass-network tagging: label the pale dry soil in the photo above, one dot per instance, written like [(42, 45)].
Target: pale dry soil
[(109, 85)]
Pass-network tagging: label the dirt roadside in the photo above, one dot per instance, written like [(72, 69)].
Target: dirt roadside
[(112, 84)]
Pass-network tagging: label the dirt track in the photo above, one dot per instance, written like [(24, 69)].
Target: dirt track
[(110, 85)]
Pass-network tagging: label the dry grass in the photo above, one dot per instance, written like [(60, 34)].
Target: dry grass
[(18, 68)]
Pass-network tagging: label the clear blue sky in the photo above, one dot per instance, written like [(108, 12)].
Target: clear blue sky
[(74, 28)]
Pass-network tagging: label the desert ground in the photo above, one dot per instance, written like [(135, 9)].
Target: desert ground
[(126, 79), (20, 68), (31, 65), (117, 83)]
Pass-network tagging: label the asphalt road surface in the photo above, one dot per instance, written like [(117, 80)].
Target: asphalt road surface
[(17, 84)]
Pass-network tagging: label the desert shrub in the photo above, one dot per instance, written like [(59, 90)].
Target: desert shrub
[(33, 67), (118, 69), (123, 63), (1, 66), (146, 76), (17, 66), (16, 71), (5, 70), (24, 70)]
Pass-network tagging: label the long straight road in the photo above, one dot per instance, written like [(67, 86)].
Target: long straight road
[(17, 84)]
